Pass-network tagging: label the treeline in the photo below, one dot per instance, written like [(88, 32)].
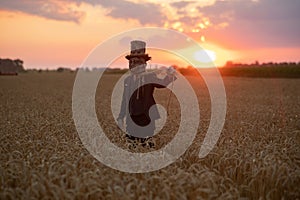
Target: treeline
[(11, 67), (256, 69), (265, 70)]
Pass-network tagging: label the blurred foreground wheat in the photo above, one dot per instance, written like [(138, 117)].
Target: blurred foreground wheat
[(256, 157)]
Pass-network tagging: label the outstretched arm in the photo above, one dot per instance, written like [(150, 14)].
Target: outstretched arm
[(170, 77)]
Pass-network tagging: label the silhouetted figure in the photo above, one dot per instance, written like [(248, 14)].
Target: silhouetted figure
[(138, 94)]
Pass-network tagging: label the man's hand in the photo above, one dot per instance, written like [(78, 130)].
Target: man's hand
[(171, 71)]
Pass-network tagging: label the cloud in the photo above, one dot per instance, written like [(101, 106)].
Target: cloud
[(269, 23), (56, 10), (253, 23), (181, 4), (189, 20), (255, 10), (145, 13)]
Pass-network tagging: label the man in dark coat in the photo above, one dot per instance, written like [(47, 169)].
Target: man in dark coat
[(138, 98)]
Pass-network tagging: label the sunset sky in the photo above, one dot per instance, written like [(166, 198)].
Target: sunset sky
[(53, 33)]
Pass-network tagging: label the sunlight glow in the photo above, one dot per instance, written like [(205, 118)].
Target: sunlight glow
[(202, 38), (202, 26), (176, 25), (205, 56)]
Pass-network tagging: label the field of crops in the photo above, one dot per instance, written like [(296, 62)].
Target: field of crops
[(256, 157)]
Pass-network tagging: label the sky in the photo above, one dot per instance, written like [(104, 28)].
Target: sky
[(62, 33)]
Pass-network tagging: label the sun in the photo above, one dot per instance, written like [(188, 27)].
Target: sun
[(205, 56)]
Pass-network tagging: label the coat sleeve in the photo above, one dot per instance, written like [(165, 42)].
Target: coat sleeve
[(162, 83), (123, 103)]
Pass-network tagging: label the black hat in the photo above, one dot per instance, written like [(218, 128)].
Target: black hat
[(138, 49)]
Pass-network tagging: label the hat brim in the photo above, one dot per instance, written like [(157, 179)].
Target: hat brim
[(145, 56)]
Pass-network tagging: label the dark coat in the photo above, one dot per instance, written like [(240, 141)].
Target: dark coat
[(138, 104)]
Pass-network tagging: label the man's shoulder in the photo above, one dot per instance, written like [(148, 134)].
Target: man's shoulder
[(127, 78), (150, 75)]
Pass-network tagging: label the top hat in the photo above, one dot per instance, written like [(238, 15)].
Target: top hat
[(138, 49)]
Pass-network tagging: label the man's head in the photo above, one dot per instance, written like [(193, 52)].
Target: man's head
[(138, 57), (137, 64)]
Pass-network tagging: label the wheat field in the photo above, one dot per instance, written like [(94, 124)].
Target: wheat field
[(256, 157)]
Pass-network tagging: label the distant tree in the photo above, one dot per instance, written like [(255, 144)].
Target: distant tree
[(229, 64), (60, 69), (19, 64), (9, 66), (63, 69)]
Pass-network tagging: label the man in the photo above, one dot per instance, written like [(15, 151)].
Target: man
[(138, 94)]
